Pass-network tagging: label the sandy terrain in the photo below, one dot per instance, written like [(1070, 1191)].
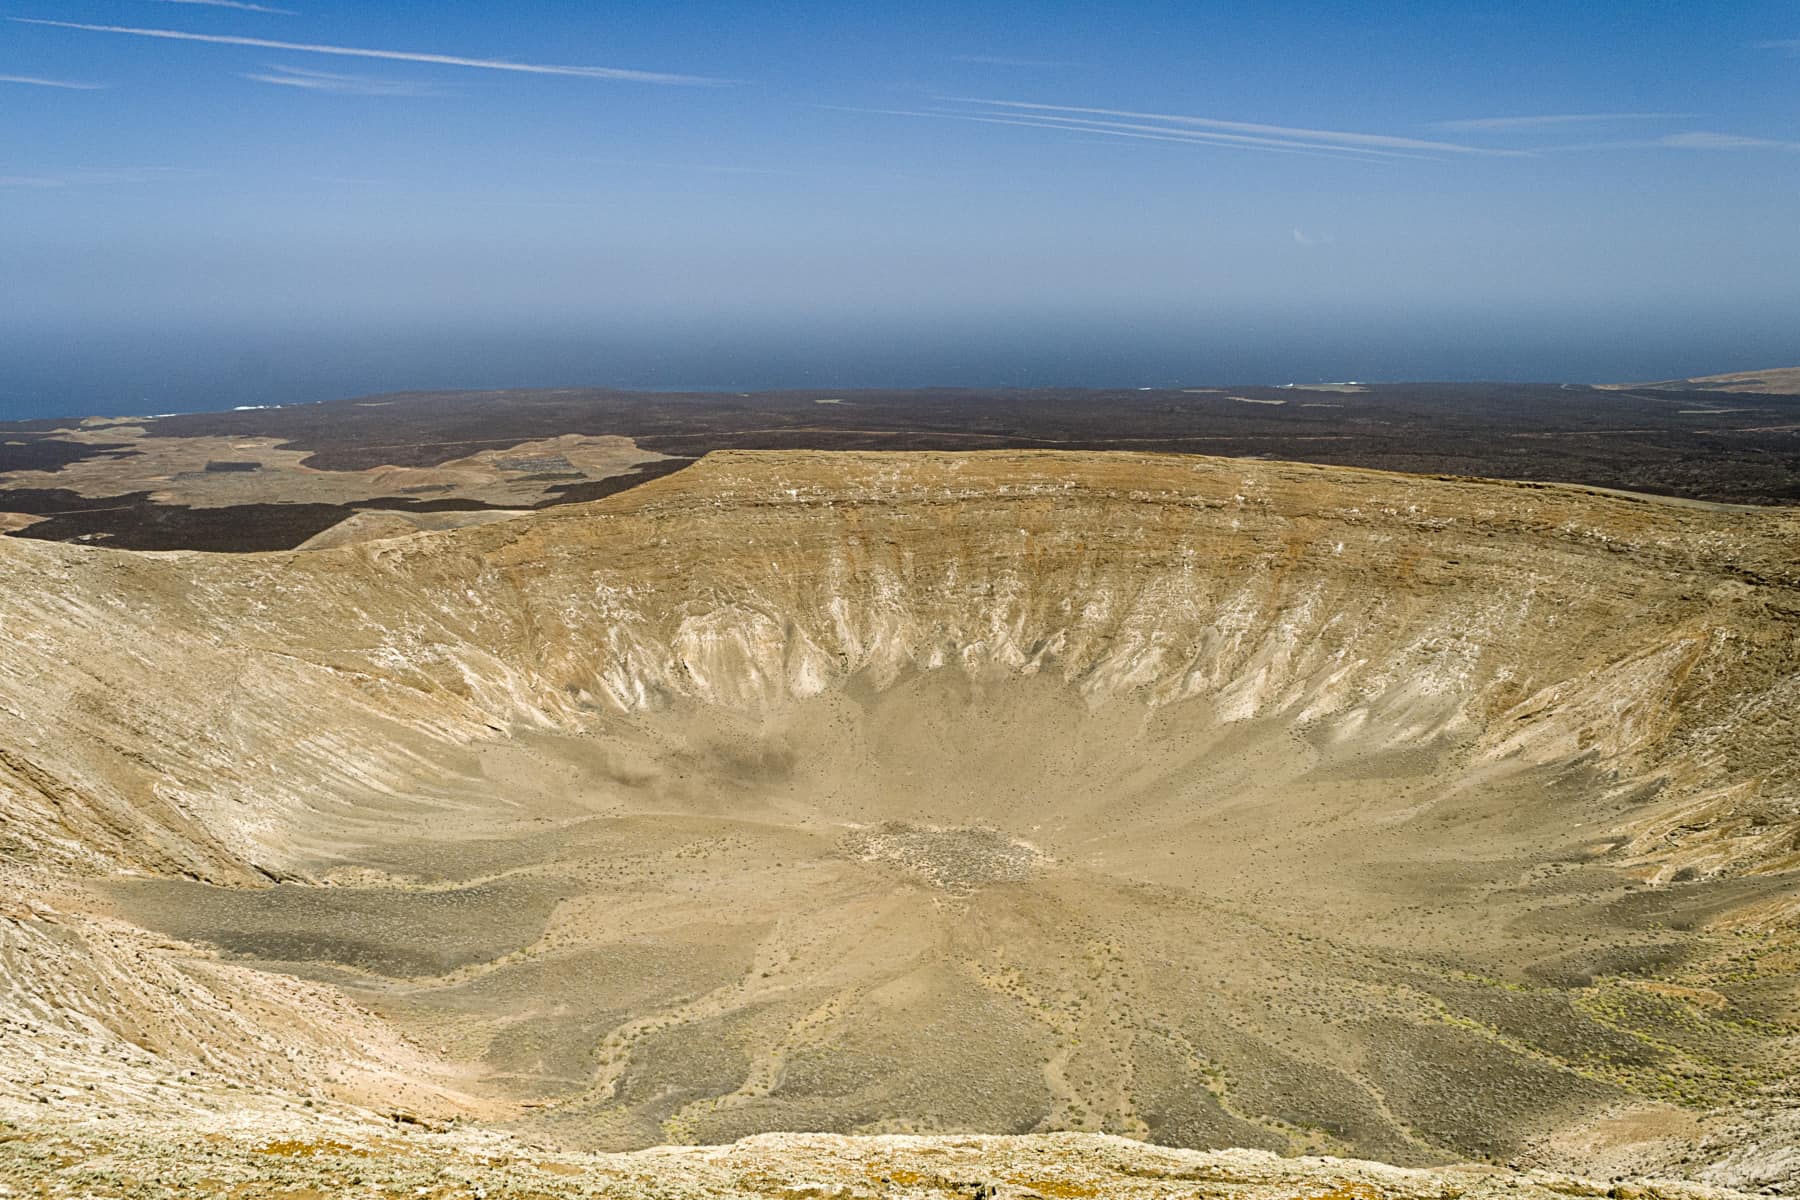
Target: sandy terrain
[(1783, 381), (372, 525), (340, 1158), (220, 472)]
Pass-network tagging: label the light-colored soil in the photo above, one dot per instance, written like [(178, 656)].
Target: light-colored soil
[(373, 525), (319, 1160), (1782, 381), (175, 470)]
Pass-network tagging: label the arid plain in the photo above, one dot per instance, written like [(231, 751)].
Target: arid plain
[(1212, 803)]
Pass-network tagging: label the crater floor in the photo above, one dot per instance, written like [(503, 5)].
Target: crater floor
[(943, 906)]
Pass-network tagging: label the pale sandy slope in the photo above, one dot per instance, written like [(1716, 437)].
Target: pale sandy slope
[(337, 1160)]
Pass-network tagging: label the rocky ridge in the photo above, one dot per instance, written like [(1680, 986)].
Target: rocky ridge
[(173, 711)]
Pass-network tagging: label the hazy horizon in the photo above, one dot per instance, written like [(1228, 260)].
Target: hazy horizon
[(193, 371), (209, 204)]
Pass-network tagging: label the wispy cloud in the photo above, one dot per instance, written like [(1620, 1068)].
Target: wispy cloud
[(71, 85), (81, 176), (1724, 141), (1550, 121), (111, 175), (446, 60), (1189, 130), (344, 85), (1002, 60), (703, 168), (1790, 44), (1303, 238), (237, 4), (1695, 140), (1111, 129), (1321, 139), (543, 204), (1164, 133)]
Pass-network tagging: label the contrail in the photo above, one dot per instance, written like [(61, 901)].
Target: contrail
[(36, 81), (1339, 136), (237, 4), (445, 60)]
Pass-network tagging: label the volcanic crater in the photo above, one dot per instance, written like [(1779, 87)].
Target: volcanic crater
[(1214, 803)]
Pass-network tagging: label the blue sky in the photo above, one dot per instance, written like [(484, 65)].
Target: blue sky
[(204, 202)]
